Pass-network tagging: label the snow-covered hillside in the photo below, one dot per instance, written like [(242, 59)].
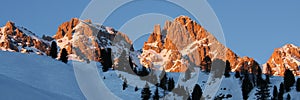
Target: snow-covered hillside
[(36, 76)]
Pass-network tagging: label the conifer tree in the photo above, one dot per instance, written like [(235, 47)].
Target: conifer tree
[(53, 50), (64, 55)]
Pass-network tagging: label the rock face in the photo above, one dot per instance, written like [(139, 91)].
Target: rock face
[(287, 57), (19, 39), (184, 43), (85, 40)]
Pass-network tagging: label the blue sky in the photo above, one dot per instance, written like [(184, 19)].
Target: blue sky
[(251, 28)]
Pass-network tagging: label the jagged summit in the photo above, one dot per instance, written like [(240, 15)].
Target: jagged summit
[(286, 57), (184, 43)]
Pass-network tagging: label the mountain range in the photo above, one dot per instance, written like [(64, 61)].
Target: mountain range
[(175, 47), (179, 44)]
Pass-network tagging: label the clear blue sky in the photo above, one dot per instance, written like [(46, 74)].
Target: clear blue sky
[(252, 28)]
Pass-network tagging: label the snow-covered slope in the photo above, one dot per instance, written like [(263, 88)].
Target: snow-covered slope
[(12, 89), (43, 74)]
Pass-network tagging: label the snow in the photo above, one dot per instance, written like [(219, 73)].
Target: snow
[(41, 73), (12, 89)]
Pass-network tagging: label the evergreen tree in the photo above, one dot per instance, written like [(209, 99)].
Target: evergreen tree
[(288, 97), (156, 94), (106, 61), (281, 91), (125, 84), (130, 63), (289, 79), (163, 80), (64, 55), (298, 85), (146, 92), (237, 74), (275, 93), (53, 50), (263, 91), (227, 69), (171, 84), (136, 88), (247, 86), (206, 63), (268, 79), (197, 92)]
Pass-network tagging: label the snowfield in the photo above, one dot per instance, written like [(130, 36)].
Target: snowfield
[(36, 76)]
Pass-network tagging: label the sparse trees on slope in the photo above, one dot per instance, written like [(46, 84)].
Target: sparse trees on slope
[(53, 50), (289, 79), (64, 56), (197, 92)]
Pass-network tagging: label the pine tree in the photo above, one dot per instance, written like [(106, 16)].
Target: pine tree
[(156, 94), (146, 92), (275, 93), (64, 56), (171, 84), (136, 88), (268, 79), (163, 80), (247, 86), (125, 84), (263, 91), (53, 50), (298, 85), (288, 97), (106, 59), (227, 69), (206, 63), (130, 63), (289, 79), (237, 74), (281, 91), (197, 92)]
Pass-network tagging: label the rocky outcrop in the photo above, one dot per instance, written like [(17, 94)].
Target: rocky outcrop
[(287, 57), (19, 39), (86, 40)]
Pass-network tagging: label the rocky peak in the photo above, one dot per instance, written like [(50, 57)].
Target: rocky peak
[(19, 39), (286, 57), (186, 43)]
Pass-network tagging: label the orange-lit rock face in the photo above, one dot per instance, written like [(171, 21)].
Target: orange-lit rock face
[(184, 43), (287, 57), (13, 38), (66, 29)]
